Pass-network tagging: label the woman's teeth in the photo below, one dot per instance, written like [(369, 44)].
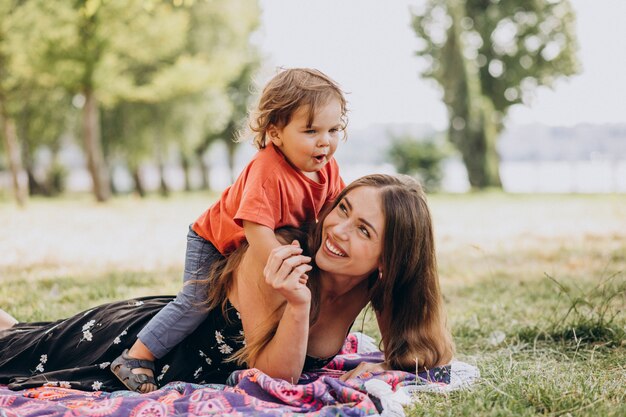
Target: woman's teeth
[(334, 249)]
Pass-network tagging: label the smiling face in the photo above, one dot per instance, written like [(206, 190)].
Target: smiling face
[(310, 145), (352, 235)]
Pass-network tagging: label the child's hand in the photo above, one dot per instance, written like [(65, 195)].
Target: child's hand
[(286, 270)]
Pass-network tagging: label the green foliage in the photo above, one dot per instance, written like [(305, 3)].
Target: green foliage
[(159, 71), (419, 157), (488, 55)]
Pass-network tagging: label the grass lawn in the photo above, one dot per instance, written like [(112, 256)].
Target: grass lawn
[(535, 286)]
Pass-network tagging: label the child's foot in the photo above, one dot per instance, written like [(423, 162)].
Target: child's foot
[(136, 374)]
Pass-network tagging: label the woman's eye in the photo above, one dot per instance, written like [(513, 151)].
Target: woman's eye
[(364, 230), (343, 208)]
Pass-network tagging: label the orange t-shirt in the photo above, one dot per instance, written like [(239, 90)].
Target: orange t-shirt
[(270, 192)]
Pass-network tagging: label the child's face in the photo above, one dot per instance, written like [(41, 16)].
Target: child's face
[(309, 148)]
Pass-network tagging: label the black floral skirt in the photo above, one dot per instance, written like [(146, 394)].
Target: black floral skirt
[(76, 352)]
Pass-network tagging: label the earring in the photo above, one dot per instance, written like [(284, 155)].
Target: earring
[(380, 274)]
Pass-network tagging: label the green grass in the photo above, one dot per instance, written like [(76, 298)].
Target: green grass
[(535, 287)]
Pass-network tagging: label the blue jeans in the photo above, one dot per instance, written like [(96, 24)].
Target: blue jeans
[(181, 316)]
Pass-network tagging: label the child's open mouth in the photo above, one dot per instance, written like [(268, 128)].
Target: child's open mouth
[(319, 158)]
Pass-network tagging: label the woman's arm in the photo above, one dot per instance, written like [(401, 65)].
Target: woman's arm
[(276, 290)]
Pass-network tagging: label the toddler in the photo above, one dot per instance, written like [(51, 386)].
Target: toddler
[(297, 125)]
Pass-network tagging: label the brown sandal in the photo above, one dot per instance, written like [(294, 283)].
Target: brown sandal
[(122, 368)]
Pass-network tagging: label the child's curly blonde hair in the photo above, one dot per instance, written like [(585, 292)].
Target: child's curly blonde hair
[(288, 91)]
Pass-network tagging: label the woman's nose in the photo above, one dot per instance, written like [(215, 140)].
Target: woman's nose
[(341, 230)]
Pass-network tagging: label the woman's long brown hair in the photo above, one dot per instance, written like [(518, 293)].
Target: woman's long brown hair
[(407, 297)]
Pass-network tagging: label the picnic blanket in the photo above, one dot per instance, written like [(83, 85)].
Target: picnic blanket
[(247, 392)]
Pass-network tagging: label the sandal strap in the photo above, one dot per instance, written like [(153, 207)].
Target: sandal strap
[(137, 363), (141, 379)]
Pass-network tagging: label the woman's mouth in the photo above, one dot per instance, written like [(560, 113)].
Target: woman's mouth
[(334, 249)]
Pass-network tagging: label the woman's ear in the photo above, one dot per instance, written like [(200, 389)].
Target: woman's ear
[(274, 133)]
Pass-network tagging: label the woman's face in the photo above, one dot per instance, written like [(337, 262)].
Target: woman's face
[(352, 235)]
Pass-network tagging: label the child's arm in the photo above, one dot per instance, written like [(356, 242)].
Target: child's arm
[(261, 239)]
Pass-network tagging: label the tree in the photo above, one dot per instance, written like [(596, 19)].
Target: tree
[(90, 47), (9, 96), (189, 98), (488, 55)]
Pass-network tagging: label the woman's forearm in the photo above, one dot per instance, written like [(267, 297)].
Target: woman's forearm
[(283, 357)]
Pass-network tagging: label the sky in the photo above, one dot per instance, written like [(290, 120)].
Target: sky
[(368, 47)]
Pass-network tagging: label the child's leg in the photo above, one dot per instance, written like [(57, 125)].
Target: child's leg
[(185, 313), (182, 315)]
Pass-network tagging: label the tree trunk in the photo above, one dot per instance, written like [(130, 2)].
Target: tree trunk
[(163, 188), (185, 164), (93, 148), (136, 174), (205, 169), (35, 187), (471, 126), (19, 177)]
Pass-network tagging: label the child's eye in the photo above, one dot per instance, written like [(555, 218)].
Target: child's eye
[(364, 230), (309, 131)]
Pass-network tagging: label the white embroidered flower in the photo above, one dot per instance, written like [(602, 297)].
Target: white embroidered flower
[(202, 354), (104, 365), (163, 371), (89, 325), (65, 384), (96, 385), (139, 303), (87, 336), (239, 315), (218, 337), (196, 374), (208, 361), (39, 368), (225, 349), (118, 339), (43, 358)]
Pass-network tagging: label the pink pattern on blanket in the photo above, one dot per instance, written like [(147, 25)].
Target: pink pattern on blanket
[(249, 392)]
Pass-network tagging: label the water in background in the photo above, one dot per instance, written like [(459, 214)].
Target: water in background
[(535, 159)]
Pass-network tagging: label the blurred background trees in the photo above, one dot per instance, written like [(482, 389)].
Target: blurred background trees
[(135, 80), (143, 84), (419, 157), (487, 55)]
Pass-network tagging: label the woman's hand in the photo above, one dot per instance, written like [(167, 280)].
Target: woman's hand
[(286, 270), (365, 370)]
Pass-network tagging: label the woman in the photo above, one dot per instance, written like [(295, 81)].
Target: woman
[(375, 244)]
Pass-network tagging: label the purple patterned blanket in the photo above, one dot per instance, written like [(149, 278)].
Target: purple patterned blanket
[(248, 392)]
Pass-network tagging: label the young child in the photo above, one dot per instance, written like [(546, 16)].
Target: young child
[(300, 118)]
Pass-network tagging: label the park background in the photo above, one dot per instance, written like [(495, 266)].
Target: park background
[(531, 265)]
